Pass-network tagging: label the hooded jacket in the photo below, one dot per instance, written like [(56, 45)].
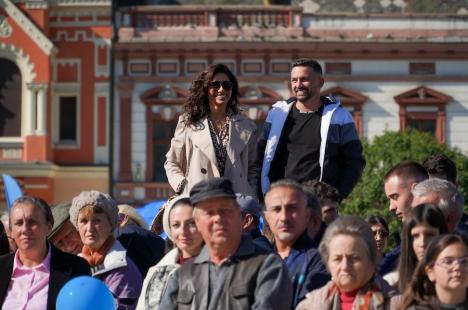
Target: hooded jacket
[(341, 159)]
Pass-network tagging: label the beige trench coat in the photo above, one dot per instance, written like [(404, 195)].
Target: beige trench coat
[(192, 156)]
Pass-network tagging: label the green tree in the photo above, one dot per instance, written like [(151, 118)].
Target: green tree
[(386, 151)]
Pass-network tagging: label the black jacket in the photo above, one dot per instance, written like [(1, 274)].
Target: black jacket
[(341, 153), (63, 267), (144, 247), (251, 278)]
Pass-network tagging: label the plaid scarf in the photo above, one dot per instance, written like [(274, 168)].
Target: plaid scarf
[(370, 296)]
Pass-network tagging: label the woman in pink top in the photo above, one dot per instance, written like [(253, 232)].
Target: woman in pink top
[(32, 277)]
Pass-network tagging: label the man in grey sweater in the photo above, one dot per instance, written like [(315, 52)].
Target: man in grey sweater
[(231, 272)]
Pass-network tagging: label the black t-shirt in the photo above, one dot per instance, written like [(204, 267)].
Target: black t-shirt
[(298, 151)]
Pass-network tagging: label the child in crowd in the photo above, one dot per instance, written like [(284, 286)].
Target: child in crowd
[(441, 278)]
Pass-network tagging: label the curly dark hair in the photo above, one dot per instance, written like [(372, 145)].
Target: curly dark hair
[(322, 190), (440, 164), (197, 106)]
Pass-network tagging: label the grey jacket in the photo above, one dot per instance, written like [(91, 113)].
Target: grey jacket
[(250, 279)]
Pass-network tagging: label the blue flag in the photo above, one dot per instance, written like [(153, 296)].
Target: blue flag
[(12, 189)]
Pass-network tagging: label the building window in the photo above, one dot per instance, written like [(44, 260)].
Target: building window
[(10, 99), (427, 125), (352, 101), (338, 68), (139, 67), (423, 108), (252, 67), (68, 120), (163, 131), (422, 68), (163, 107)]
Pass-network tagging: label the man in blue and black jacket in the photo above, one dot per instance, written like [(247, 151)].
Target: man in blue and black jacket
[(310, 137)]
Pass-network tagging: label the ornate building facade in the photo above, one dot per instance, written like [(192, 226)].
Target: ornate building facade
[(54, 95), (390, 66), (393, 64)]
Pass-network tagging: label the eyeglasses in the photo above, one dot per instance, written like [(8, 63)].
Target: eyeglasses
[(380, 233), (227, 85), (449, 262)]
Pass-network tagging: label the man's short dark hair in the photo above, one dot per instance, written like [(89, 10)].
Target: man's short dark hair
[(313, 202), (407, 169), (322, 190), (307, 62), (440, 164)]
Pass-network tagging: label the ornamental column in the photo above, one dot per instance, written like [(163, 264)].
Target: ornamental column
[(125, 89), (42, 110), (31, 95)]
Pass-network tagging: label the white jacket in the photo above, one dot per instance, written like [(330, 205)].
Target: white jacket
[(156, 279)]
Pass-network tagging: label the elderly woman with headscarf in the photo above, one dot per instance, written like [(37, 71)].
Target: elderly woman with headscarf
[(348, 249), (180, 228), (95, 216), (31, 278)]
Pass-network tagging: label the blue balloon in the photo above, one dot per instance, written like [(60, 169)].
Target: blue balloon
[(85, 293)]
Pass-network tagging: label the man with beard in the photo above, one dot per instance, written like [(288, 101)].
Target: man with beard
[(310, 137)]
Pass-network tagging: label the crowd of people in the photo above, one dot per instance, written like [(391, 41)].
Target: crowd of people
[(254, 222)]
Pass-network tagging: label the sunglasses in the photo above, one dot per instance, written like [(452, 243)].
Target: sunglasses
[(227, 85), (380, 233)]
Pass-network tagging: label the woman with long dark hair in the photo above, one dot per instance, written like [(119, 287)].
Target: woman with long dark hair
[(425, 222), (441, 278), (380, 231), (212, 138)]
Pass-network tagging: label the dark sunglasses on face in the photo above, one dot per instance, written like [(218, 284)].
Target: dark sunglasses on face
[(381, 233), (227, 85)]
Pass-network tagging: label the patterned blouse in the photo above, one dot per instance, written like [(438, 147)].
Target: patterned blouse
[(220, 142)]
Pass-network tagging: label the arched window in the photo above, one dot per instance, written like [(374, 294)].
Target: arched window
[(351, 100), (163, 107), (423, 108), (10, 99), (255, 101)]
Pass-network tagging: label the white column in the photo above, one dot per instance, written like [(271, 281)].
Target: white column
[(31, 110), (42, 111)]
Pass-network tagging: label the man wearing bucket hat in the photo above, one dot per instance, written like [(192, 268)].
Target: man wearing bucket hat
[(231, 272)]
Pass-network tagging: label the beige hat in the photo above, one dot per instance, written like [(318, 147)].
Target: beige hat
[(95, 199)]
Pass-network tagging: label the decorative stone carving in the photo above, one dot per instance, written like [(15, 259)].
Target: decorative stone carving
[(310, 6), (5, 27), (359, 4)]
